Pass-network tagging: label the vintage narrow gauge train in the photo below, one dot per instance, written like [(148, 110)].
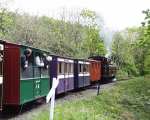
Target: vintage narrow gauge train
[(108, 70), (26, 73)]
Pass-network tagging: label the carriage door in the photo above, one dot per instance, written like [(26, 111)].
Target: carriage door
[(1, 75), (66, 80), (37, 80)]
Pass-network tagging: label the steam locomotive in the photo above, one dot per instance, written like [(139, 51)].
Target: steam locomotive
[(26, 73)]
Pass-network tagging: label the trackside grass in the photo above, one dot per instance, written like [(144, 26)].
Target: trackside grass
[(127, 100)]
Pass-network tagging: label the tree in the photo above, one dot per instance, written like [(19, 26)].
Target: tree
[(93, 42), (144, 42), (63, 37), (5, 22), (122, 50)]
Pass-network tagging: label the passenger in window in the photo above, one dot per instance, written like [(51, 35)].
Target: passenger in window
[(25, 58), (38, 60), (46, 60)]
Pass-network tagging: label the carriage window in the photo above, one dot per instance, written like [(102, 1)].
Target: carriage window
[(65, 67), (37, 71), (86, 68), (68, 68), (45, 69), (44, 72), (71, 68), (80, 68), (28, 72), (60, 68), (27, 65)]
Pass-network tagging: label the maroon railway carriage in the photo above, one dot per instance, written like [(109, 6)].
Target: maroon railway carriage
[(19, 85), (11, 74)]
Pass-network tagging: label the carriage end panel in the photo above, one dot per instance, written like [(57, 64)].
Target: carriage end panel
[(11, 74)]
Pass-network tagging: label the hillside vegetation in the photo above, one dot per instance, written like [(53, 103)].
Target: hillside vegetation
[(127, 100), (79, 34), (131, 49), (75, 35)]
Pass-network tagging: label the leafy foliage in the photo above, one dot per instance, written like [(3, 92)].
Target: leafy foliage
[(131, 48), (146, 24), (5, 22), (122, 50), (61, 37)]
